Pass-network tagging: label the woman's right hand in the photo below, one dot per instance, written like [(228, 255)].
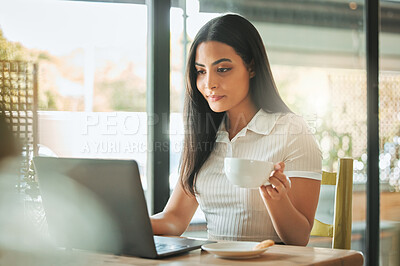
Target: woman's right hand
[(177, 214)]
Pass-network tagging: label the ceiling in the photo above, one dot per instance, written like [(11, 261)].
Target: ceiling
[(340, 14)]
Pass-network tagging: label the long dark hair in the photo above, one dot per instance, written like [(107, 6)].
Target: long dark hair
[(202, 123)]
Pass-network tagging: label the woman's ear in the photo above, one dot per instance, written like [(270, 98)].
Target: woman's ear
[(251, 69)]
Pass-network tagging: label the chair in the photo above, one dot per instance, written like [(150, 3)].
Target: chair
[(340, 230)]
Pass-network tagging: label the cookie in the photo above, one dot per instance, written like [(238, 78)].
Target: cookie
[(264, 244)]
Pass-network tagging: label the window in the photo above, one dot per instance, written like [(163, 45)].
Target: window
[(92, 74)]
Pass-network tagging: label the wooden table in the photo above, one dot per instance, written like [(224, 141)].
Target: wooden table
[(276, 255)]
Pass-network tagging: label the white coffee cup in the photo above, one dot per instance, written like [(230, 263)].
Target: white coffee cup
[(248, 173)]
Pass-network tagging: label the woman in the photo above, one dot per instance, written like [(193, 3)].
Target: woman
[(233, 109)]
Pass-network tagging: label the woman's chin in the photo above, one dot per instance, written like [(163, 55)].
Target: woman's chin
[(217, 109)]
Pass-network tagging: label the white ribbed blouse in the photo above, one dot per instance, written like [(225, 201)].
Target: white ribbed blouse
[(234, 213)]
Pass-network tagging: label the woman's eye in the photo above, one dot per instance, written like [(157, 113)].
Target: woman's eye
[(199, 71), (224, 69)]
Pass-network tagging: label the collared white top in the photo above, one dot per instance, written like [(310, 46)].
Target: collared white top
[(234, 213)]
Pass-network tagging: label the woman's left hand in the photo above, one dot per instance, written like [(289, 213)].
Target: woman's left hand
[(280, 184)]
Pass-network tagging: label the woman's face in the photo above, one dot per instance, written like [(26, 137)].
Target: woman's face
[(222, 77)]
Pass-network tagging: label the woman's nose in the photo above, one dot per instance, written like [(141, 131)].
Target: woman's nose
[(211, 82)]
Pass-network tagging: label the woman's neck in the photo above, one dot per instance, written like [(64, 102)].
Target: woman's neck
[(238, 119)]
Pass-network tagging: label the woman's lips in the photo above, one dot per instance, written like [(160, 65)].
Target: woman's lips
[(215, 98)]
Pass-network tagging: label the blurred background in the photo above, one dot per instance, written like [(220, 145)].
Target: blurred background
[(86, 65)]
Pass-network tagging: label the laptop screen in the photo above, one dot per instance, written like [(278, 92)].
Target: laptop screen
[(95, 204)]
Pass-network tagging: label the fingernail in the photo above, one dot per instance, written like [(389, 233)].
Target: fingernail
[(277, 167)]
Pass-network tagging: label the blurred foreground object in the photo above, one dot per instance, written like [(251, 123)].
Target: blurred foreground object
[(8, 145), (18, 106), (20, 243)]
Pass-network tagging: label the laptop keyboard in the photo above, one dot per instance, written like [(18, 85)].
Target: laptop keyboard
[(163, 247)]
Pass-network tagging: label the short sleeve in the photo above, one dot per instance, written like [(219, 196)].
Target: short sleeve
[(303, 156)]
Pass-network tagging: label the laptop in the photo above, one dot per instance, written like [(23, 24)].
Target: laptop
[(99, 205)]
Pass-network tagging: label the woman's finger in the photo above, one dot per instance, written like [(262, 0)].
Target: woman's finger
[(279, 166), (279, 175), (282, 178), (272, 192), (264, 192), (282, 164), (279, 186), (287, 183)]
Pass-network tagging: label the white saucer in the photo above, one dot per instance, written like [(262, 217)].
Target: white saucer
[(234, 250)]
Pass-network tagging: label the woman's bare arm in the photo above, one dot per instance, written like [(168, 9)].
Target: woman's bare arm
[(292, 205), (177, 214)]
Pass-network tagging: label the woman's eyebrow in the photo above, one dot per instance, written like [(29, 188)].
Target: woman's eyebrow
[(216, 62)]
